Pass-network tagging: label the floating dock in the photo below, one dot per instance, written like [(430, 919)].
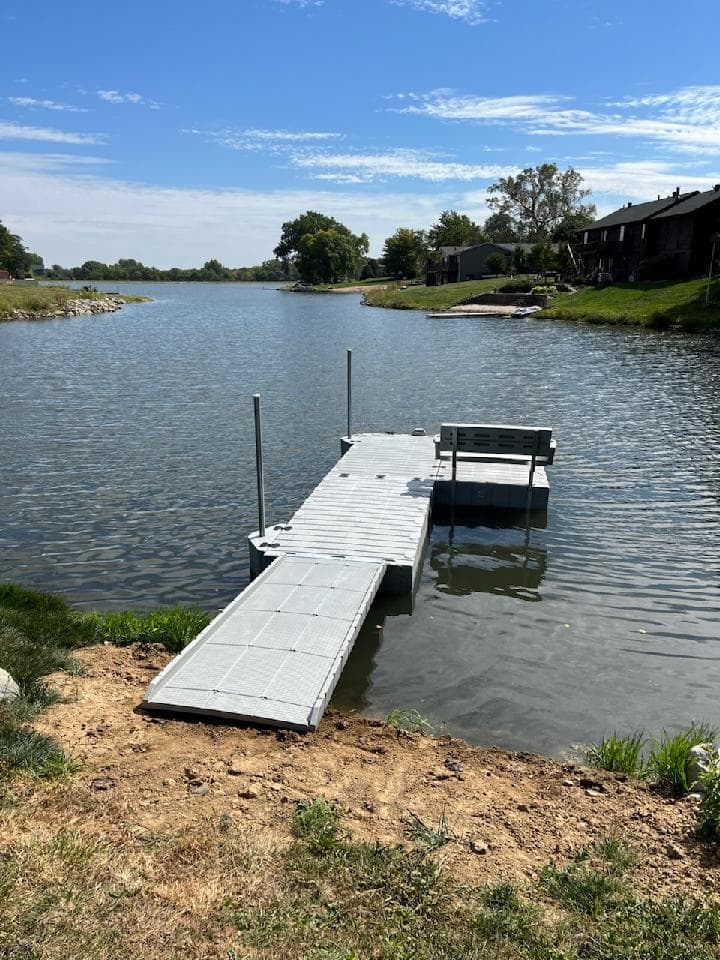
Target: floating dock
[(275, 654)]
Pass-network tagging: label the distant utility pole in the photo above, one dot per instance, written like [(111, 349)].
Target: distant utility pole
[(715, 237)]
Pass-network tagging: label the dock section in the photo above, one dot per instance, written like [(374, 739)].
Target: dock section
[(275, 654)]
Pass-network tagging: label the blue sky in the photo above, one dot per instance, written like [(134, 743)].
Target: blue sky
[(176, 132)]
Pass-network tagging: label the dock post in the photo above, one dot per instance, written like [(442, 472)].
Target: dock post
[(349, 393), (453, 482), (531, 477), (259, 466)]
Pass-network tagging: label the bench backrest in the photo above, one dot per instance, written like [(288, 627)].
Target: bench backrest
[(499, 439)]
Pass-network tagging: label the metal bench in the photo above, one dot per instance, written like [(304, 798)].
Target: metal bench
[(495, 443)]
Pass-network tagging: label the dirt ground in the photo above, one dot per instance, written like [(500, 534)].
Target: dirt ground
[(509, 813)]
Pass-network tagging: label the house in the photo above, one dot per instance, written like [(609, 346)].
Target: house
[(456, 264), (5, 276), (683, 234), (670, 235)]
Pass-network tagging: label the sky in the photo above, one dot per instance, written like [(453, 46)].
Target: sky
[(176, 132)]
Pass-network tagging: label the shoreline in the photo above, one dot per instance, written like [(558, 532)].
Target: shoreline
[(69, 307)]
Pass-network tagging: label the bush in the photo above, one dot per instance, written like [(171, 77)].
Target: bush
[(709, 810), (516, 286)]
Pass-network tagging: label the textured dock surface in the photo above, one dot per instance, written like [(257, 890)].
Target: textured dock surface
[(276, 653)]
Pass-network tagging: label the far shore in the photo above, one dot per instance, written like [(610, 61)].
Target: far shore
[(45, 303)]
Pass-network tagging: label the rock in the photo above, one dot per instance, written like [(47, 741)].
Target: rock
[(9, 690), (235, 768), (455, 765), (248, 794), (568, 783), (201, 790), (593, 793), (590, 783), (702, 758), (102, 783), (480, 848), (674, 852)]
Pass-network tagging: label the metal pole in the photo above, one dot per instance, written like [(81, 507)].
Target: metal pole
[(259, 465), (453, 482), (349, 393), (712, 261)]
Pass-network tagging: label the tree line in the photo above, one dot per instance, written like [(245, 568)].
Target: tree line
[(539, 207)]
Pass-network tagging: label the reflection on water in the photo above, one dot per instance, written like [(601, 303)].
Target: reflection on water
[(128, 480)]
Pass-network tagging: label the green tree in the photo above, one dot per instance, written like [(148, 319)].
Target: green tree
[(454, 230), (539, 199), (13, 256), (499, 228), (404, 253), (293, 243), (542, 257), (497, 264), (570, 225), (327, 256)]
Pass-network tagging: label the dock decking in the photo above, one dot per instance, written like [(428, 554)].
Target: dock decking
[(275, 654)]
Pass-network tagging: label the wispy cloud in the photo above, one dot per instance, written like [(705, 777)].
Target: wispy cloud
[(686, 119), (115, 96), (469, 11), (32, 104), (267, 140), (17, 131), (366, 167)]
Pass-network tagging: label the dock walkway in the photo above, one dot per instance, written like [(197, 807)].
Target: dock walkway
[(275, 654)]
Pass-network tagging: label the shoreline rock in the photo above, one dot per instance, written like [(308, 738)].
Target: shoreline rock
[(80, 307)]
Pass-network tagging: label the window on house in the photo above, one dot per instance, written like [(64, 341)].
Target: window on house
[(604, 236), (622, 233), (642, 235), (585, 236)]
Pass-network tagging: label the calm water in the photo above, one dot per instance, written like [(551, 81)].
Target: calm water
[(128, 480)]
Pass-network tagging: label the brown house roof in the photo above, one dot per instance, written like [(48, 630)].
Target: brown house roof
[(695, 201)]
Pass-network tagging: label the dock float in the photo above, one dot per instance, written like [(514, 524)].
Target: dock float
[(275, 654)]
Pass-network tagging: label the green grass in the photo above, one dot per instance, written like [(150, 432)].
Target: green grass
[(38, 634), (374, 281), (426, 837), (409, 721), (669, 760), (352, 900), (709, 811), (431, 298), (658, 305), (44, 300), (619, 754)]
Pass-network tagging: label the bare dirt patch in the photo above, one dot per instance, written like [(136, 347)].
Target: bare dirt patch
[(191, 810)]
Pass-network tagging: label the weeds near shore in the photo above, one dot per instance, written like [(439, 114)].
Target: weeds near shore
[(426, 837), (409, 721), (618, 754), (668, 764)]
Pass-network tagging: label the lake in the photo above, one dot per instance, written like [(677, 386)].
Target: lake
[(129, 481)]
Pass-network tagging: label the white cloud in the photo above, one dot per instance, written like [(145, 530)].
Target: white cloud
[(469, 11), (642, 180), (685, 120), (115, 96), (266, 140), (70, 217), (33, 104), (17, 131), (396, 163)]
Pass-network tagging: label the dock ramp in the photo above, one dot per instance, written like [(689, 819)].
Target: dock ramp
[(275, 654)]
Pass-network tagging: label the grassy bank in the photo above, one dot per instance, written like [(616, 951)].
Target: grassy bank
[(430, 298), (44, 301), (38, 634), (658, 305)]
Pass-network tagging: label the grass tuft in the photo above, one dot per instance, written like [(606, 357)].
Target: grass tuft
[(709, 810), (669, 761), (620, 754), (409, 721), (426, 837), (173, 628), (318, 823)]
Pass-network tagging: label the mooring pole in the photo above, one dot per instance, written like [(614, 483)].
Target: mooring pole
[(453, 482), (259, 465), (712, 261), (349, 393)]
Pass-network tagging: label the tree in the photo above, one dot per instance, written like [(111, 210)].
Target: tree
[(454, 230), (13, 256), (327, 256), (570, 225), (308, 224), (404, 253), (499, 228), (541, 258), (539, 199), (497, 264)]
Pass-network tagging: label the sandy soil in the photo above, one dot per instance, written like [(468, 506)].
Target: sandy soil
[(510, 813)]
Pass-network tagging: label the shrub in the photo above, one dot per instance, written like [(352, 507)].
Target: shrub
[(709, 810)]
